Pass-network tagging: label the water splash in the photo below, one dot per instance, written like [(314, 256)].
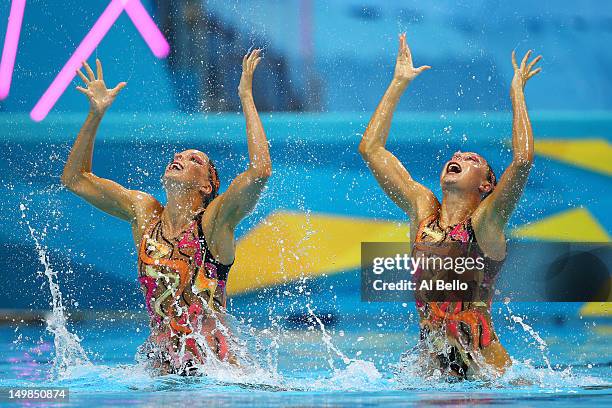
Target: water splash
[(259, 372), (356, 375), (327, 341), (542, 346), (68, 350)]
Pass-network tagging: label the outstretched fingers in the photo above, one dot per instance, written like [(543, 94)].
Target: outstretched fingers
[(257, 58), (252, 59), (534, 72), (82, 90), (90, 72), (405, 50), (99, 70), (525, 59), (118, 88), (514, 60), (83, 77), (256, 62), (532, 63)]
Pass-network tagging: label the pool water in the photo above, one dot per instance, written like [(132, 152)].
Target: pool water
[(352, 364)]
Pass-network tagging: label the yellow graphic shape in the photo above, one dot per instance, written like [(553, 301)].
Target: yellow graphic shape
[(596, 309), (576, 225), (603, 330), (287, 246), (590, 154)]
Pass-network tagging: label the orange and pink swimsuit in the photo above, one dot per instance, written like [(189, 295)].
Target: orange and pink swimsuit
[(184, 288), (454, 330)]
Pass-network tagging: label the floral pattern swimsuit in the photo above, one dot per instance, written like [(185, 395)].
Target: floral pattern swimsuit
[(453, 332), (184, 289)]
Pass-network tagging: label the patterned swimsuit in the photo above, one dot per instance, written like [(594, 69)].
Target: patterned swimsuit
[(452, 332), (184, 288)]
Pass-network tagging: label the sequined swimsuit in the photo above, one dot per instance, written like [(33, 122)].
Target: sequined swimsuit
[(184, 289), (453, 331)]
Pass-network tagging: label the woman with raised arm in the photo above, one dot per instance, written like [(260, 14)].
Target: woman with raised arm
[(456, 336), (185, 247)]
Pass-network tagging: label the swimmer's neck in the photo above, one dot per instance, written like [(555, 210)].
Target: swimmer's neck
[(180, 209), (457, 206)]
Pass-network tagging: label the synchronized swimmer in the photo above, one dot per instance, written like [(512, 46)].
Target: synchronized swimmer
[(457, 337), (186, 247)]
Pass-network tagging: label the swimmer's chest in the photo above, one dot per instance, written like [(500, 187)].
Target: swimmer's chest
[(173, 262), (162, 252), (176, 264)]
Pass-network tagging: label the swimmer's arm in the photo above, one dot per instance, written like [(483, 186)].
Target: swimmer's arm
[(104, 194), (244, 191), (497, 208), (412, 197), (109, 196)]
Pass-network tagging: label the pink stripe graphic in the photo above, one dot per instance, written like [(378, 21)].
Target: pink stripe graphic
[(143, 22), (11, 41), (147, 28)]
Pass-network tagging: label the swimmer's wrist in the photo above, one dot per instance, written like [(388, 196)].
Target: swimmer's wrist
[(516, 90), (96, 112), (400, 82)]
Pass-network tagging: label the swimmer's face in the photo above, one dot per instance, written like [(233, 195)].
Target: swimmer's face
[(466, 171), (189, 169)]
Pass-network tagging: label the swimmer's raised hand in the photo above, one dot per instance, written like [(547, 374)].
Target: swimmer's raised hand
[(249, 63), (100, 97), (404, 70), (525, 71)]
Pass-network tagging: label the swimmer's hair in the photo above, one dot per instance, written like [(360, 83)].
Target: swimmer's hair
[(491, 179), (213, 178)]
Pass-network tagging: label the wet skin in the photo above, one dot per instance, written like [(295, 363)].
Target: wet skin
[(464, 178), (186, 179)]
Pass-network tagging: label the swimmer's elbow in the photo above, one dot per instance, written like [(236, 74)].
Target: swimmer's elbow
[(523, 157), (369, 152), (365, 144), (68, 180), (265, 172), (69, 175), (364, 149), (72, 181)]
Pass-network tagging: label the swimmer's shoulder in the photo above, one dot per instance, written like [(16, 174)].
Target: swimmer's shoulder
[(145, 205), (489, 234), (146, 209)]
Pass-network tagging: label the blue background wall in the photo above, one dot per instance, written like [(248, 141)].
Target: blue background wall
[(336, 55), (344, 67)]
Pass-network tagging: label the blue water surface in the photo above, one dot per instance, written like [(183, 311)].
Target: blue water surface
[(303, 370)]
